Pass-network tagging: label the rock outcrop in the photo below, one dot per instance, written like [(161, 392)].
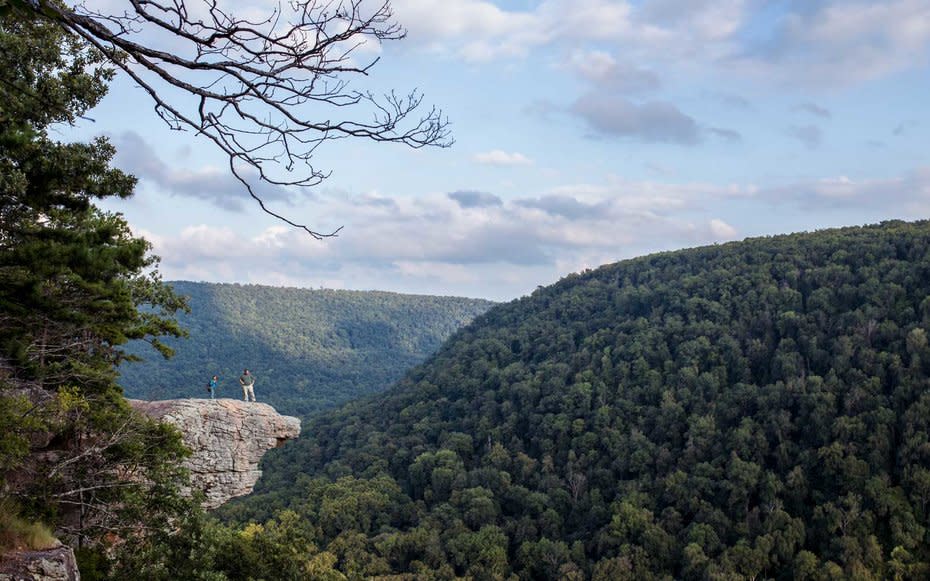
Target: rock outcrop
[(228, 438), (56, 564)]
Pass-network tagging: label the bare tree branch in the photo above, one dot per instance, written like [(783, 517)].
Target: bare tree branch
[(254, 87), (115, 437)]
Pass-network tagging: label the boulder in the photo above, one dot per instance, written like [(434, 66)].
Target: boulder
[(57, 564)]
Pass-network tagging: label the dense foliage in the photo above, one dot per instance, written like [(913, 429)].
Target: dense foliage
[(752, 410), (308, 349), (75, 285)]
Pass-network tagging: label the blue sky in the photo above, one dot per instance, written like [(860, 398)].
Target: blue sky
[(587, 131)]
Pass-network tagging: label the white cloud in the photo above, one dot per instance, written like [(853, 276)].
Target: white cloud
[(825, 43), (481, 31), (721, 230), (469, 243), (478, 244), (659, 30), (602, 69), (500, 157), (704, 19), (840, 42), (906, 195)]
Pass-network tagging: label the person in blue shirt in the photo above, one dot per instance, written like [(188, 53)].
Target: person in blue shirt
[(212, 386)]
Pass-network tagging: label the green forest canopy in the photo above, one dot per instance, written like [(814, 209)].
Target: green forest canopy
[(752, 410), (308, 349)]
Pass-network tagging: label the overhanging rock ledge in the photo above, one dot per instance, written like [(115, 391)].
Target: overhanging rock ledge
[(227, 438)]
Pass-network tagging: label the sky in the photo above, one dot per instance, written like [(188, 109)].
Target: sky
[(586, 132)]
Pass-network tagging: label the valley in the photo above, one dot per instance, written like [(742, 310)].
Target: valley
[(309, 349)]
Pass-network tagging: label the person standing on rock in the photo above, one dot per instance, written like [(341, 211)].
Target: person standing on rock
[(247, 381), (212, 386)]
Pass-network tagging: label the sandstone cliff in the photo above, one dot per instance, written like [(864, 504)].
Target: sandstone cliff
[(56, 564), (228, 438)]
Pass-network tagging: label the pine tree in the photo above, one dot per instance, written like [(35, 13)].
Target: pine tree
[(75, 285)]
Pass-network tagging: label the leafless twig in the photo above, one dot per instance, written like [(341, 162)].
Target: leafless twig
[(254, 87)]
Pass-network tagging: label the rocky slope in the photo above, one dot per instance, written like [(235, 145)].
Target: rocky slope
[(228, 439)]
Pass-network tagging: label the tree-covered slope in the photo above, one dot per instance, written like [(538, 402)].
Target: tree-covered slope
[(752, 410), (309, 349)]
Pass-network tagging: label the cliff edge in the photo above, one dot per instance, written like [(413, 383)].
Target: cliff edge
[(228, 439)]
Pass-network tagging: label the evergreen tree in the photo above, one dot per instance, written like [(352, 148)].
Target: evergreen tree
[(75, 285)]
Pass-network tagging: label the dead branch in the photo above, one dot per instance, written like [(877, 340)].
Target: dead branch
[(263, 91)]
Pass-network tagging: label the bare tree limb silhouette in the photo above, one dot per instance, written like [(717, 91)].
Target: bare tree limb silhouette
[(264, 91)]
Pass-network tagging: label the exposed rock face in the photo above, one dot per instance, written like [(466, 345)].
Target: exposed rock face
[(56, 564), (228, 438)]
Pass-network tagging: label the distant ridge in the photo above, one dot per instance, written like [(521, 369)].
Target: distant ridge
[(309, 349)]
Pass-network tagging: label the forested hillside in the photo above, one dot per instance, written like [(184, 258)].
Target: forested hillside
[(752, 410), (308, 349)]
